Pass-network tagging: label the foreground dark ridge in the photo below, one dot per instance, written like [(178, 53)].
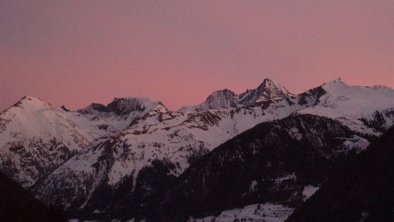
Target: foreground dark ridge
[(363, 190), (16, 205)]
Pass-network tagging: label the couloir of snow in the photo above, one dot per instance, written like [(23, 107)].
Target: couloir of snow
[(309, 190)]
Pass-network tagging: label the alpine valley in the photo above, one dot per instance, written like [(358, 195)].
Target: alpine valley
[(255, 156)]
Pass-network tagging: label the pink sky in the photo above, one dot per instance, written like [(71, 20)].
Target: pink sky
[(178, 52)]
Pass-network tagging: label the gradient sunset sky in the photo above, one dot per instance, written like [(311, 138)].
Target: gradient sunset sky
[(178, 52)]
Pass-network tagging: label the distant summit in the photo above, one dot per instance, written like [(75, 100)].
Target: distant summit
[(124, 106), (31, 102), (268, 90)]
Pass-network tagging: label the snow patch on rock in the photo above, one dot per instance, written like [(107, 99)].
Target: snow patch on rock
[(308, 191)]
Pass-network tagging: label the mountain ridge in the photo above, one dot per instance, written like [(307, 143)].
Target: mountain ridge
[(266, 84)]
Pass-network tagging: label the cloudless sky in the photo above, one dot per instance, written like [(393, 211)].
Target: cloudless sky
[(178, 52)]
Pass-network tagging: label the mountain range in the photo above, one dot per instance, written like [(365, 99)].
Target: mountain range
[(134, 158)]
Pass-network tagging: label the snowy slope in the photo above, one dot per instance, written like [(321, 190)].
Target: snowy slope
[(35, 138), (221, 99), (342, 100)]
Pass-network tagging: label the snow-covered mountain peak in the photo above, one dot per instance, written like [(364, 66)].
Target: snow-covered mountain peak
[(337, 81), (268, 90), (337, 99), (35, 138), (271, 83), (220, 99), (336, 85), (29, 102)]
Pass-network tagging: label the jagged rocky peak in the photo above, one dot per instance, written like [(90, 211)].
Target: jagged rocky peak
[(131, 104), (124, 106), (221, 99), (127, 105), (268, 90), (98, 107)]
